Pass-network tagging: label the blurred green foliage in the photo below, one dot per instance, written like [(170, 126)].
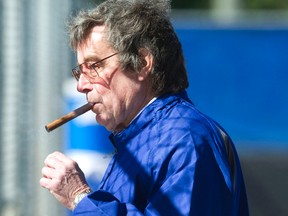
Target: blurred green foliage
[(190, 4), (207, 4), (265, 4), (246, 4)]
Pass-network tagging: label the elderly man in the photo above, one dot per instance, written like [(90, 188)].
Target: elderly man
[(170, 158)]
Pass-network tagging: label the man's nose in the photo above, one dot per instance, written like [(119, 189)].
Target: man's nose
[(83, 84)]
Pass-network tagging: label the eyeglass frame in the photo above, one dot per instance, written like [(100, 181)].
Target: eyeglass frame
[(77, 71)]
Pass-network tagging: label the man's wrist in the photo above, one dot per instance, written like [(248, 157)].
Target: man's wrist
[(80, 196)]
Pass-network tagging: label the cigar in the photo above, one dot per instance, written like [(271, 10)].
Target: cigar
[(68, 117)]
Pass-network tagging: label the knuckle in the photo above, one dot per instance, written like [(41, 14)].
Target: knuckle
[(71, 164), (43, 170)]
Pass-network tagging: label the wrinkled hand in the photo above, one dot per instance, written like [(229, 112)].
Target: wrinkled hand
[(63, 178)]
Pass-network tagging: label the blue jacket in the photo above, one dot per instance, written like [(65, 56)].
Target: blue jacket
[(171, 160)]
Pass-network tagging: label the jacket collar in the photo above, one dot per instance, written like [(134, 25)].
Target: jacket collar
[(147, 116)]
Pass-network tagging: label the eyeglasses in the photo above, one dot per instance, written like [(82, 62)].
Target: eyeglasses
[(91, 69)]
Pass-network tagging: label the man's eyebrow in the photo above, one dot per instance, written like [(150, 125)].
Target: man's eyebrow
[(93, 58)]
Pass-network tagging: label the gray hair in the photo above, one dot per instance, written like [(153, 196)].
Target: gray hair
[(132, 25)]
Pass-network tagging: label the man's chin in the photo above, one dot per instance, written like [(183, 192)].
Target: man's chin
[(103, 122)]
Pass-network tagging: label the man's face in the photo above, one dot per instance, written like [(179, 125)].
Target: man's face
[(117, 96)]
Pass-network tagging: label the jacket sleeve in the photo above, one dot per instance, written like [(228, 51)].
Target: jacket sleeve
[(103, 204)]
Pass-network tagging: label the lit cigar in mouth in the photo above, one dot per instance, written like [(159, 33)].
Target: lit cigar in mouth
[(68, 117)]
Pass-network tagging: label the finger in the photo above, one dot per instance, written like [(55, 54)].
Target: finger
[(45, 183), (53, 162), (50, 173), (53, 184), (58, 160), (61, 157)]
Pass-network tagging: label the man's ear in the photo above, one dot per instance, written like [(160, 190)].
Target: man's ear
[(147, 63)]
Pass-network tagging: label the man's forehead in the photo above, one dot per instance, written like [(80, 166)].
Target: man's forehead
[(98, 32), (96, 36)]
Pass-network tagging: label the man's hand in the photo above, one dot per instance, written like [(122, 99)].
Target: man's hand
[(63, 178)]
